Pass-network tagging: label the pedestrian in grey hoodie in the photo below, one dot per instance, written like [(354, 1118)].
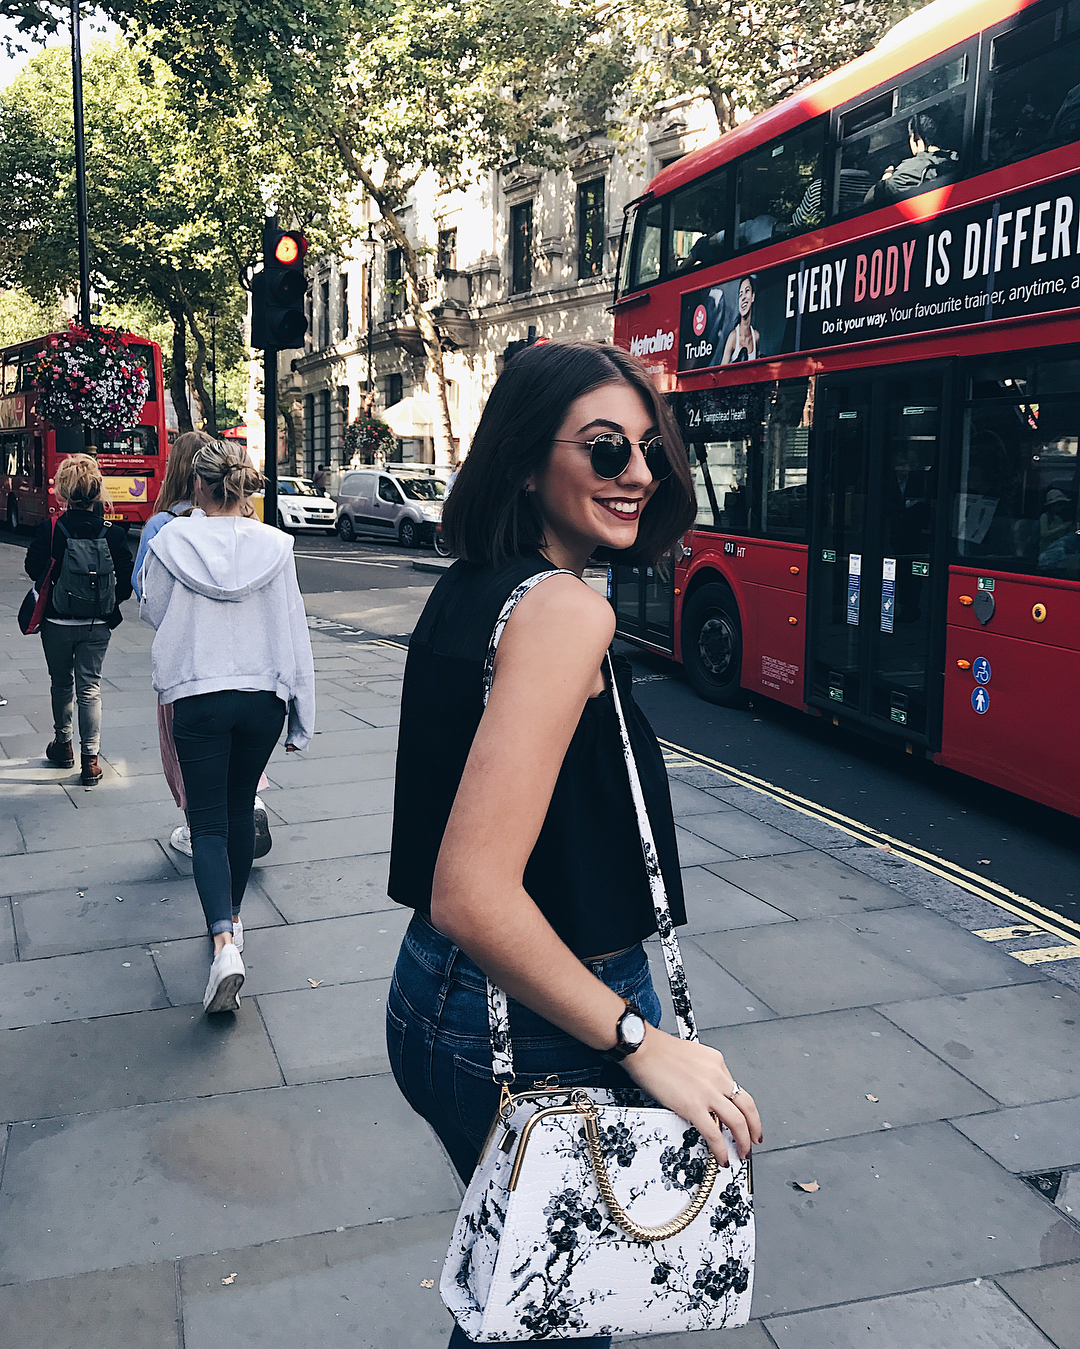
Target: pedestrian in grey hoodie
[(233, 656)]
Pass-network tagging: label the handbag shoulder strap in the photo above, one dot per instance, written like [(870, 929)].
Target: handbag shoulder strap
[(502, 1054)]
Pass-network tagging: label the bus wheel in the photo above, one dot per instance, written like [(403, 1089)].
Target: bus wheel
[(712, 645), (12, 514)]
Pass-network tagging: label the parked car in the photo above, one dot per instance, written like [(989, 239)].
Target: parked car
[(402, 505), (301, 506)]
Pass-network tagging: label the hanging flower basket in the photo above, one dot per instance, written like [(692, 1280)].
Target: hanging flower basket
[(91, 379), (365, 436)]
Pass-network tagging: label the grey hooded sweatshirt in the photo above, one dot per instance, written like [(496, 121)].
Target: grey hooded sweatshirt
[(222, 593)]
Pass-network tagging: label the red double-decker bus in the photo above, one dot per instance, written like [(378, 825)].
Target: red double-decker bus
[(865, 307), (132, 460)]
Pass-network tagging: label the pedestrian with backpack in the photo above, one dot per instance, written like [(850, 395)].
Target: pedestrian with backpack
[(88, 564), (233, 656)]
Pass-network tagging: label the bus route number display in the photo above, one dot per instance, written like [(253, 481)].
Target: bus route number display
[(1010, 258)]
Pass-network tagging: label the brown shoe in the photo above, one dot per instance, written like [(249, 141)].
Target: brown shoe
[(61, 754), (91, 773)]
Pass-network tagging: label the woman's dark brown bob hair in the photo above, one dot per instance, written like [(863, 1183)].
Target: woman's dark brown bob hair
[(488, 518)]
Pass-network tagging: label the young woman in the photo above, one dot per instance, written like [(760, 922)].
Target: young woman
[(742, 341), (75, 647), (175, 500), (232, 655), (515, 838)]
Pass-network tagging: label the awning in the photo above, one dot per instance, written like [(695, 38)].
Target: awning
[(414, 418)]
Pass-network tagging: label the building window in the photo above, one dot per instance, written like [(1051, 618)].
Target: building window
[(324, 315), (343, 302), (394, 390), (447, 256), (323, 426), (521, 235), (393, 264), (590, 225), (343, 420)]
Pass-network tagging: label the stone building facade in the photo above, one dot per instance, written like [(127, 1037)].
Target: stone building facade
[(521, 253)]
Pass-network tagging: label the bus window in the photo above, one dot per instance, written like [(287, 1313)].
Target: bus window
[(905, 141), (10, 376), (788, 417), (140, 440), (700, 222), (1016, 507), (1033, 101), (776, 188), (719, 471), (15, 456), (646, 246)]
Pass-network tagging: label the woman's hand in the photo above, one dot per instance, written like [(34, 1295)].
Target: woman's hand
[(693, 1080)]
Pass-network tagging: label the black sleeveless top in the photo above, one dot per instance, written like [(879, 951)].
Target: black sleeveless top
[(586, 873)]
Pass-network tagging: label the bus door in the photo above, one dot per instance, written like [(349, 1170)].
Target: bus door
[(875, 630), (644, 600)]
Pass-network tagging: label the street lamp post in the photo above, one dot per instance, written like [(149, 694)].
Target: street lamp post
[(80, 185), (370, 382), (213, 361)]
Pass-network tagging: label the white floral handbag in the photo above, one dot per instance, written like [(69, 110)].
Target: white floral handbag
[(598, 1212)]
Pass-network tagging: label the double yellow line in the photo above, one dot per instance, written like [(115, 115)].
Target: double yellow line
[(1031, 914)]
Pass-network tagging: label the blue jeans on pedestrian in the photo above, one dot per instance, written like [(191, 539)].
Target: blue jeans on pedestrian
[(440, 1050)]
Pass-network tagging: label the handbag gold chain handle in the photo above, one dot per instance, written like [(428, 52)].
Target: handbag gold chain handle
[(620, 1215)]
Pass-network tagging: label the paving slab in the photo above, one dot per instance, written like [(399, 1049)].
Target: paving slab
[(364, 740), (750, 1336), (813, 966), (687, 800), (77, 867), (974, 1315), (329, 951), (719, 999), (743, 836), (952, 957), (696, 851), (295, 771), (1028, 1138), (309, 890), (8, 949), (811, 1076), (67, 988), (110, 825), (1051, 1297), (114, 1061), (337, 1030), (322, 839), (809, 885), (90, 918), (300, 805), (714, 904), (360, 1288), (131, 1308), (133, 1186), (1019, 1044), (896, 1210)]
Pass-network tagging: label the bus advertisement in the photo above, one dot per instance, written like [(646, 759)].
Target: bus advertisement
[(132, 459), (864, 306)]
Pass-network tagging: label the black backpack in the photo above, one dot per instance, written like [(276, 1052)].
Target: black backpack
[(86, 584)]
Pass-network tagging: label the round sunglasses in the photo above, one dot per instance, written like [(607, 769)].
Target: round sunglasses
[(610, 455)]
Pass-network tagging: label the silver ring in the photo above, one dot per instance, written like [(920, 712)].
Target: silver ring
[(735, 1089)]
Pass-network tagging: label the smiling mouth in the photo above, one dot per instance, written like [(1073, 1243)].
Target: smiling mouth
[(621, 507)]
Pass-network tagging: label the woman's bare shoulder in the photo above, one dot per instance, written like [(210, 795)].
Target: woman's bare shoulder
[(563, 618)]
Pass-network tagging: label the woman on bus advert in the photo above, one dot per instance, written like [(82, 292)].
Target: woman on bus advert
[(742, 342)]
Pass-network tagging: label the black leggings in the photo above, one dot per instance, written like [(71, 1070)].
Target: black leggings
[(223, 741)]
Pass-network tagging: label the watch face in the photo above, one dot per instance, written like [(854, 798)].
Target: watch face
[(633, 1029)]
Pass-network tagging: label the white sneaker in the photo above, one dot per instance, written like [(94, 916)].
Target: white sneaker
[(238, 933), (263, 841), (223, 987), (181, 839)]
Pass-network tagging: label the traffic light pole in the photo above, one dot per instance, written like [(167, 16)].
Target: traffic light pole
[(270, 422)]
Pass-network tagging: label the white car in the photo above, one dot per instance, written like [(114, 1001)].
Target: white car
[(301, 506)]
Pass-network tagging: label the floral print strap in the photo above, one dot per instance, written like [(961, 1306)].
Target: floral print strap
[(502, 1055)]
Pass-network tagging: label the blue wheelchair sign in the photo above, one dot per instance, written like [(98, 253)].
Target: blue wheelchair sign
[(980, 668), (980, 700)]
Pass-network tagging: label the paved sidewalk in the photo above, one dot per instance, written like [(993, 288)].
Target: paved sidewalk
[(166, 1183)]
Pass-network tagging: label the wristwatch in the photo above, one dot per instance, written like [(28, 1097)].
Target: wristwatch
[(630, 1033)]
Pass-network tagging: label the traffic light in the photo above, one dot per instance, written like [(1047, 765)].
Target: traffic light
[(278, 319), (515, 348)]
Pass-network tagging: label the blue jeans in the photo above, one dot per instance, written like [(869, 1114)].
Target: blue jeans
[(440, 1052)]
